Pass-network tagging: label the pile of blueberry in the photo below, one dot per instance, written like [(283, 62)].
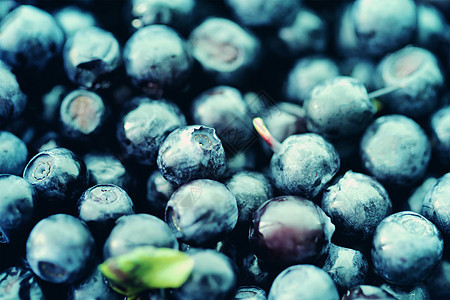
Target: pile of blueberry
[(257, 149)]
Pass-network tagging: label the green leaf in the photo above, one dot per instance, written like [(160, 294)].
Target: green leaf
[(146, 268)]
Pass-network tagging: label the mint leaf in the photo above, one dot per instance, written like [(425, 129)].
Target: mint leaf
[(146, 268)]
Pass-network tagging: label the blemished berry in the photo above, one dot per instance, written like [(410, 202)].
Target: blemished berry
[(91, 56)]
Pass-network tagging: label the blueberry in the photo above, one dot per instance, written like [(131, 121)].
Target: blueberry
[(356, 204), (91, 56), (202, 211), (30, 49), (256, 13), (159, 191), (72, 18), (12, 100), (250, 293), (144, 127), (303, 282), (360, 292), (383, 26), (406, 248), (415, 200), (177, 14), (16, 207), (436, 206), (94, 286), (19, 283), (304, 164), (59, 177), (60, 249), (191, 152), (345, 39), (395, 150), (308, 33), (251, 189), (347, 267), (225, 51), (224, 109), (106, 168), (213, 277), (154, 68), (127, 235), (13, 154), (418, 70), (289, 229), (440, 134), (431, 25), (51, 103), (100, 205), (82, 115), (306, 74), (338, 107)]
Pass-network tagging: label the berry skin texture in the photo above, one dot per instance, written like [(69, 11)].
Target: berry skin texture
[(436, 205), (303, 282), (347, 267), (90, 55), (157, 59), (304, 164), (356, 204), (289, 229), (201, 212), (406, 248), (338, 107), (395, 150), (60, 249), (191, 152)]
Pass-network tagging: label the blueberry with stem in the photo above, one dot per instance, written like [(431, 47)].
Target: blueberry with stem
[(303, 164)]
